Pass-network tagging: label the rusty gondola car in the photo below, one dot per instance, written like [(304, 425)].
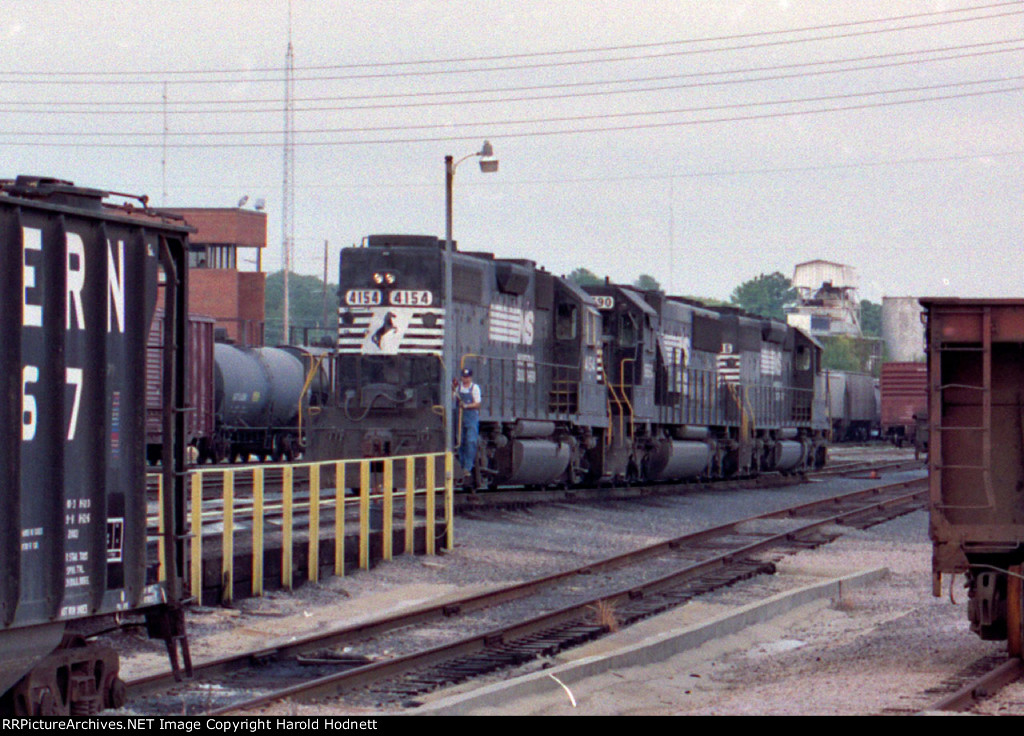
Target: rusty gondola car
[(976, 461), (78, 291)]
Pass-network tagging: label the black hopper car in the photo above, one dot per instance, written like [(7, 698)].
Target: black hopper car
[(580, 385), (79, 285)]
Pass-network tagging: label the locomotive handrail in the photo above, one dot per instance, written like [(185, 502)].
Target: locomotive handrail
[(314, 367), (515, 363), (625, 398), (612, 397)]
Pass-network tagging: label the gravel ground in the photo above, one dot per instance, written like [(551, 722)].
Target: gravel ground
[(879, 648)]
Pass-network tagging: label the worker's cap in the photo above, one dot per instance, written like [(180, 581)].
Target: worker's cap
[(466, 372)]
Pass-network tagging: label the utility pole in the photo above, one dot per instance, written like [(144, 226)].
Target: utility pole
[(324, 321), (288, 186), (163, 157)]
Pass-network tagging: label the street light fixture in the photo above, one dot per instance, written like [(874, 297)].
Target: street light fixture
[(488, 165)]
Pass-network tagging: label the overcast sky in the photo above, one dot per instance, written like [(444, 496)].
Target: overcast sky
[(700, 141)]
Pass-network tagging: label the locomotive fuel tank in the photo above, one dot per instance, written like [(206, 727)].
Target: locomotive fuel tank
[(533, 461), (678, 459), (789, 454)]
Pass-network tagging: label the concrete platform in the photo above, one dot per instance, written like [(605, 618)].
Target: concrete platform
[(647, 643)]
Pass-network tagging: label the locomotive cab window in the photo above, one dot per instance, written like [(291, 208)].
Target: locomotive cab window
[(803, 358), (627, 330), (591, 320), (565, 322)]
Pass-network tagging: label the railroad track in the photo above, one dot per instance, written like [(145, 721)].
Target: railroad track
[(963, 690), (995, 673), (542, 616)]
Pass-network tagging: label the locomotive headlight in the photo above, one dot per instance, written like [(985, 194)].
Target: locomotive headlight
[(384, 277)]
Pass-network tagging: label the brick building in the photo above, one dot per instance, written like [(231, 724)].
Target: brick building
[(217, 288)]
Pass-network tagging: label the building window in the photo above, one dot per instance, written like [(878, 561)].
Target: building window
[(212, 256)]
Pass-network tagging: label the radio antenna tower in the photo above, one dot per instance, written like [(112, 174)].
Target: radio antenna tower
[(288, 187)]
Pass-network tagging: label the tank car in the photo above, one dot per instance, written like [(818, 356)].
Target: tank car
[(243, 402), (78, 291), (975, 383), (259, 394)]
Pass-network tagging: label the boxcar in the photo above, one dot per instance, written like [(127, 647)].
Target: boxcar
[(78, 291), (904, 397), (199, 423), (976, 462)]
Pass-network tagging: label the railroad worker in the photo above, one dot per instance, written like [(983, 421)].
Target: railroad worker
[(467, 395)]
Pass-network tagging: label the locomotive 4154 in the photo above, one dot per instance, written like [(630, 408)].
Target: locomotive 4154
[(596, 384)]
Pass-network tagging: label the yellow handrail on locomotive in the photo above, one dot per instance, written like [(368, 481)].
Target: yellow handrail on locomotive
[(315, 366), (747, 418), (618, 402), (439, 409), (622, 387)]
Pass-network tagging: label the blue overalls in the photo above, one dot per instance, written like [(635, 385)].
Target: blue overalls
[(470, 428)]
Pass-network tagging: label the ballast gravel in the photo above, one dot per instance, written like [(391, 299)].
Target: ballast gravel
[(878, 650)]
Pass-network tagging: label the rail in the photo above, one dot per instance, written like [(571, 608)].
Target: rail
[(388, 490)]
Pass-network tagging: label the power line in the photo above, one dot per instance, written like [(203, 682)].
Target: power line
[(546, 120), (506, 183), (163, 105), (61, 77), (530, 134), (536, 54)]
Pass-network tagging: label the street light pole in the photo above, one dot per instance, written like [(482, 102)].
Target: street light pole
[(448, 355)]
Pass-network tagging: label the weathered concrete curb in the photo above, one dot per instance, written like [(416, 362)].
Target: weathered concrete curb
[(654, 649)]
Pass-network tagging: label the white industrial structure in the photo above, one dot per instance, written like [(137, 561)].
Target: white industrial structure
[(827, 300)]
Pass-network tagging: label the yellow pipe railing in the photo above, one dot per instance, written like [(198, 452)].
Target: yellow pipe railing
[(376, 491), (625, 398)]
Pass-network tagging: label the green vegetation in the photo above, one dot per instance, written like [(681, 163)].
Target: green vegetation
[(584, 277), (765, 295), (870, 318), (647, 282), (311, 311)]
